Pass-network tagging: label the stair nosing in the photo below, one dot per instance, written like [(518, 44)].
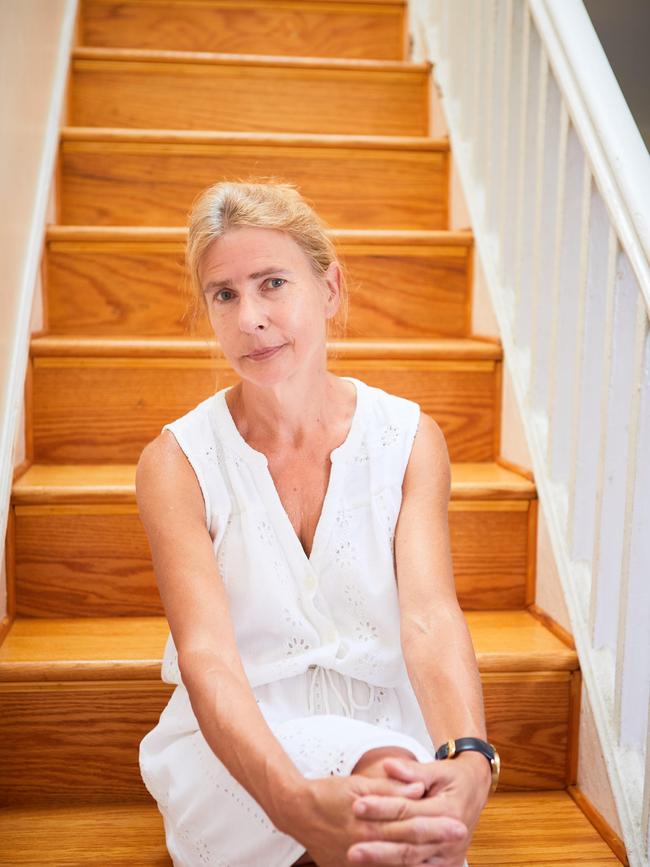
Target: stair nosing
[(520, 488), (218, 58), (409, 349), (60, 233), (143, 136), (505, 662)]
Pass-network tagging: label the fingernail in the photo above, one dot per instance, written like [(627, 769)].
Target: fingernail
[(360, 808)]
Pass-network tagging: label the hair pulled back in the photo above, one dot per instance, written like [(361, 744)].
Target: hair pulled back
[(267, 205)]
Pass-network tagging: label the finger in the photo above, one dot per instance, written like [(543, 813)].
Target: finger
[(420, 829), (449, 846), (432, 774), (384, 786), (404, 854), (385, 807), (407, 769)]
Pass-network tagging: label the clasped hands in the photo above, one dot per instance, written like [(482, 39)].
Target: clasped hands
[(418, 813)]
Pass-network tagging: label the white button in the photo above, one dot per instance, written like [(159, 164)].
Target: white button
[(310, 581)]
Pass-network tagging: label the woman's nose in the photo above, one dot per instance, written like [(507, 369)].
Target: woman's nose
[(251, 313)]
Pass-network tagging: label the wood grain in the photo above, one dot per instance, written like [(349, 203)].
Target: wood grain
[(294, 27), (173, 90), (151, 178)]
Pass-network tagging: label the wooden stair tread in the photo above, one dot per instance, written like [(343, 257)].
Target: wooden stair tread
[(57, 233), (521, 829), (60, 483), (131, 648), (460, 348), (171, 137), (152, 55)]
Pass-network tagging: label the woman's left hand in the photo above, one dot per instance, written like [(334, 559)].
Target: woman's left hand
[(408, 830)]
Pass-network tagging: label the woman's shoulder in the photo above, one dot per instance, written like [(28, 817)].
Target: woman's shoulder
[(197, 416), (389, 412), (185, 451)]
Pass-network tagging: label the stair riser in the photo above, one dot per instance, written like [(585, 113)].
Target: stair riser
[(218, 96), (79, 742), (94, 561), (139, 183), (249, 27), (95, 410), (112, 289)]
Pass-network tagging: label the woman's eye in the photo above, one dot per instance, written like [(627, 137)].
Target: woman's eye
[(220, 292), (278, 281)]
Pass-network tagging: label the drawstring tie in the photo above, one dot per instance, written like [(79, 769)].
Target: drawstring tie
[(319, 671)]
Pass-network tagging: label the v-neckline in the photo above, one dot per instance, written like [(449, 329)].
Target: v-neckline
[(272, 496)]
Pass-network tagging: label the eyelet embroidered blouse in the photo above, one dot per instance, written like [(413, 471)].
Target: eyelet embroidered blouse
[(338, 608)]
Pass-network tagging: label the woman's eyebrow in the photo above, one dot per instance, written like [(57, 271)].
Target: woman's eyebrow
[(222, 284)]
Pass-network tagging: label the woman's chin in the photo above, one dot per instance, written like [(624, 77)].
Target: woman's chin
[(263, 373)]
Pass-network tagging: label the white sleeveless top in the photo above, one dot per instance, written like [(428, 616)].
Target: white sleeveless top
[(337, 608)]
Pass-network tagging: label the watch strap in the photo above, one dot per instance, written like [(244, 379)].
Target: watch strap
[(452, 748), (449, 749)]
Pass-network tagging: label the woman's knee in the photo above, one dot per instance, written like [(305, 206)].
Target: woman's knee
[(370, 762)]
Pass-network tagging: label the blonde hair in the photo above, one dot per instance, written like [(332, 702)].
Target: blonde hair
[(263, 204)]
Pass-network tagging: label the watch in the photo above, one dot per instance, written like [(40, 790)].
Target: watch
[(451, 748)]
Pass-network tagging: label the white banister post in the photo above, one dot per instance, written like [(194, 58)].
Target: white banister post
[(632, 686), (511, 219), (503, 177), (613, 409)]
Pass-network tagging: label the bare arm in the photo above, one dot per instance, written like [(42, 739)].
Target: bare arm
[(436, 642), (195, 601)]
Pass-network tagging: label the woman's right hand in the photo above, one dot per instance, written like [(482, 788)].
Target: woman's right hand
[(323, 819)]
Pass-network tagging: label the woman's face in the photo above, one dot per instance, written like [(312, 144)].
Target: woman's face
[(261, 292)]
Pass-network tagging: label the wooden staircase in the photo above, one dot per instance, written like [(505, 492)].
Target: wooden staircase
[(165, 98)]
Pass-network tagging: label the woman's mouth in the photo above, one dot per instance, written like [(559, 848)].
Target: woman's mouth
[(262, 355)]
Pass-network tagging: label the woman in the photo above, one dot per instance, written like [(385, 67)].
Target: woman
[(298, 530)]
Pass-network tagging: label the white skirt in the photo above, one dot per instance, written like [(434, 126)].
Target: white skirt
[(325, 721)]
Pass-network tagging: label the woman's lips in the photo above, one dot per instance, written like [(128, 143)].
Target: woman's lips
[(267, 353)]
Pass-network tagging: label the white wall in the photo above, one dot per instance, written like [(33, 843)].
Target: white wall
[(35, 42)]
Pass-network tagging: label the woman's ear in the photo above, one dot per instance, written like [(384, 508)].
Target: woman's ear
[(332, 281)]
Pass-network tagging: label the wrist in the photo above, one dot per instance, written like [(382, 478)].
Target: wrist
[(453, 749), (479, 767), (288, 800)]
